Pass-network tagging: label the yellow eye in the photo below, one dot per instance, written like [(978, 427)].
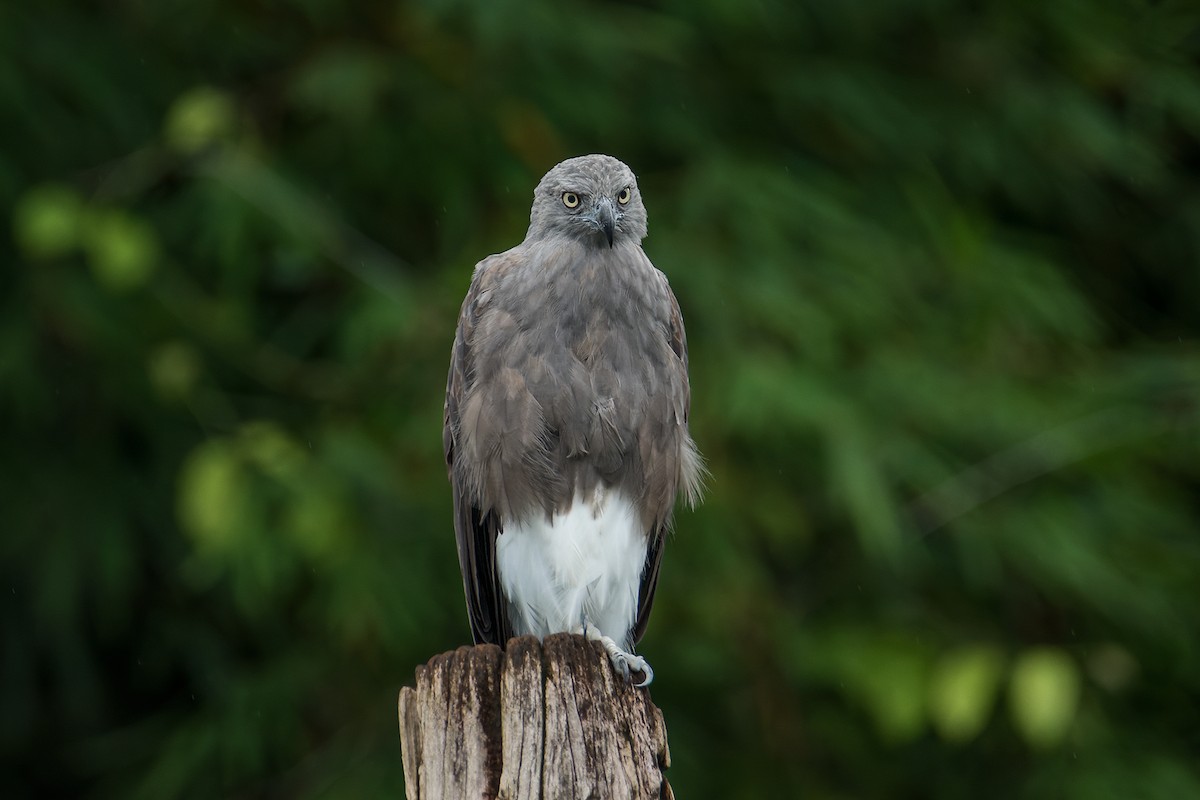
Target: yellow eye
[(570, 199), (624, 196)]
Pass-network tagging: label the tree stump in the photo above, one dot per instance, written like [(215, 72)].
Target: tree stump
[(538, 720)]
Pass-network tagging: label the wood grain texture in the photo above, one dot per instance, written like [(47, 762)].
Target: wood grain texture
[(539, 720)]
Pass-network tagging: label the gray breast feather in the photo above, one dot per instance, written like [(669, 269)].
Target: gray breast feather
[(577, 377)]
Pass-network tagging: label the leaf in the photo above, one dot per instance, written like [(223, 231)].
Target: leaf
[(1112, 666), (1044, 696), (317, 520), (174, 368), (884, 671), (343, 82), (857, 476), (268, 446), (211, 494), (198, 119), (46, 221), (122, 249), (963, 690)]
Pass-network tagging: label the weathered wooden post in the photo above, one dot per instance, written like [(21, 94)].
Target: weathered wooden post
[(538, 720)]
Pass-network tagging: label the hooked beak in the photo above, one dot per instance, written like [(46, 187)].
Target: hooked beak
[(604, 217)]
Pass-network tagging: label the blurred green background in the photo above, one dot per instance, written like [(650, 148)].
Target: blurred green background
[(940, 265)]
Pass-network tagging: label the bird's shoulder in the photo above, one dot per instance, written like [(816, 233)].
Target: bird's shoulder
[(479, 295), (650, 278), (657, 285), (492, 270)]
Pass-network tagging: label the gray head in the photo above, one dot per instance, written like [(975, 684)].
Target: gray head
[(592, 198)]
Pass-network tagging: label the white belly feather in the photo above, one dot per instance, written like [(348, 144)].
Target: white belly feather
[(584, 564)]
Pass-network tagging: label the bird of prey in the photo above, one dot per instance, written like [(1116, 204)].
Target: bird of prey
[(566, 420)]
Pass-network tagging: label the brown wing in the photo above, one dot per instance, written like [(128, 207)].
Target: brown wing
[(475, 529), (657, 537)]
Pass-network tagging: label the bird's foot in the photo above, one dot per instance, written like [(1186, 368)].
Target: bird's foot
[(623, 662)]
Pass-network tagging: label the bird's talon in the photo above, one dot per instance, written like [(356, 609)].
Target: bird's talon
[(649, 673)]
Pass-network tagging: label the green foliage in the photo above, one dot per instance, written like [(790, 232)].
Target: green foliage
[(939, 267), (1045, 691), (962, 691)]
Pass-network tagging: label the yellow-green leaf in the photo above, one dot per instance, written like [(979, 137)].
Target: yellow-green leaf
[(963, 691), (46, 221), (1044, 695), (199, 118), (270, 448), (891, 679), (211, 494), (122, 249)]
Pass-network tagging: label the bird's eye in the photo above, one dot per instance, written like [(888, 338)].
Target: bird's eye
[(570, 199), (624, 196)]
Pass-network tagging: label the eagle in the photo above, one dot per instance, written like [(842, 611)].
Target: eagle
[(566, 420)]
